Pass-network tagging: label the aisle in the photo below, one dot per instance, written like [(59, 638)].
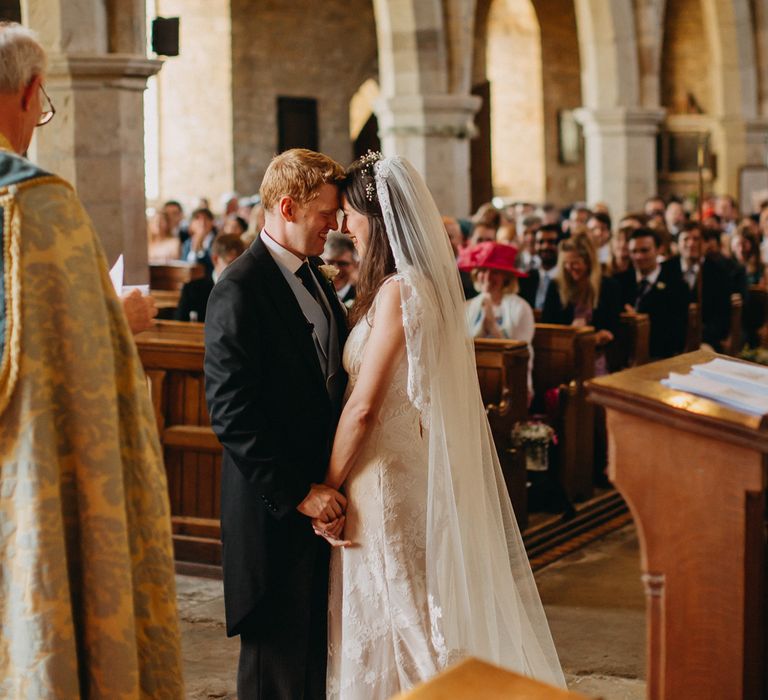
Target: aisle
[(593, 597), (596, 608)]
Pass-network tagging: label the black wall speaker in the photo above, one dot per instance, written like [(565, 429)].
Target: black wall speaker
[(165, 36)]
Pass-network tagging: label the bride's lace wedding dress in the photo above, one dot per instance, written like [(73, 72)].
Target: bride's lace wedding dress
[(438, 570), (379, 623)]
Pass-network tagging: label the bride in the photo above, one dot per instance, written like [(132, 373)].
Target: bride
[(431, 566)]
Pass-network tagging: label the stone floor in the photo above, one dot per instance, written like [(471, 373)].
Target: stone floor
[(593, 598)]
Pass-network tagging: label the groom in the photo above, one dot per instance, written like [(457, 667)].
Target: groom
[(274, 332)]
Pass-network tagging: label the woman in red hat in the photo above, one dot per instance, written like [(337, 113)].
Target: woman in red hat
[(498, 311)]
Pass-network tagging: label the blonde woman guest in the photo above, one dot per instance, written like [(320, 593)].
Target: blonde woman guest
[(498, 311), (581, 296), (163, 245)]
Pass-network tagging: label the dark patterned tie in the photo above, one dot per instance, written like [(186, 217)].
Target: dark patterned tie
[(306, 277), (642, 290)]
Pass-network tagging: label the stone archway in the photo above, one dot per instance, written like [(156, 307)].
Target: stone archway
[(425, 111), (620, 133)]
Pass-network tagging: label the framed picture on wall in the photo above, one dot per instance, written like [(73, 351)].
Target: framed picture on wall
[(570, 140), (753, 188)]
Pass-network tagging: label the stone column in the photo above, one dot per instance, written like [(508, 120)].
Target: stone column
[(96, 139), (620, 155), (737, 142), (433, 132)]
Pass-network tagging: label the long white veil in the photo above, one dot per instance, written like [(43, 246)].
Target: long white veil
[(482, 596)]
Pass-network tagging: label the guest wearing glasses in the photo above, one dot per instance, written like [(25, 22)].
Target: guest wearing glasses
[(340, 252)]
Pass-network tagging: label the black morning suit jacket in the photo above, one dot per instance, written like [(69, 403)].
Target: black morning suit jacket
[(666, 304), (194, 297), (716, 288), (271, 411)]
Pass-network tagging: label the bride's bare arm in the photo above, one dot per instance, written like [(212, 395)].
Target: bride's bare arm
[(385, 347)]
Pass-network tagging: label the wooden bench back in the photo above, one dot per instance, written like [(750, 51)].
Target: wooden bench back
[(733, 343), (502, 368), (174, 275), (693, 328), (562, 354), (172, 354), (755, 310), (631, 346)]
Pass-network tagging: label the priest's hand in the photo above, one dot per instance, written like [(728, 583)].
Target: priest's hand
[(139, 311)]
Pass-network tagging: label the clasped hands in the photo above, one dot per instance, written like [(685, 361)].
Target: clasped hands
[(325, 506)]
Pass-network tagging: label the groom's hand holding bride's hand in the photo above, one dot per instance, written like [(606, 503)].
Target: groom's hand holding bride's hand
[(331, 532), (323, 503)]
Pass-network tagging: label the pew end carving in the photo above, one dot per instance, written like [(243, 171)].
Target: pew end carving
[(502, 368), (564, 358)]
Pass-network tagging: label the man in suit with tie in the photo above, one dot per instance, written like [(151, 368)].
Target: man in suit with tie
[(695, 268), (649, 287), (274, 334)]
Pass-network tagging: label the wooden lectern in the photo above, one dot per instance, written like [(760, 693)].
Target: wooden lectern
[(693, 473)]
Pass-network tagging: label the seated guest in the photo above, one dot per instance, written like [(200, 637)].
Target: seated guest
[(620, 261), (175, 213), (674, 217), (194, 295), (694, 268), (484, 227), (527, 259), (599, 229), (163, 245), (340, 252), (197, 248), (497, 312), (737, 274), (534, 287), (234, 224), (455, 234), (746, 251), (648, 287), (581, 296)]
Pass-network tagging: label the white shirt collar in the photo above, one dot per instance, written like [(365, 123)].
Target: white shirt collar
[(651, 277), (685, 266), (341, 292), (285, 257)]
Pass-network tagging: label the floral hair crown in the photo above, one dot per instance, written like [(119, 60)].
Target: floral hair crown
[(366, 167)]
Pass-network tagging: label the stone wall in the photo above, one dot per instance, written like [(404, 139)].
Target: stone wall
[(514, 71), (562, 90), (194, 94), (685, 65), (321, 50)]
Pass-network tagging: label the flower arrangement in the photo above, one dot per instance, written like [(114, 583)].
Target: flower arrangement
[(534, 437)]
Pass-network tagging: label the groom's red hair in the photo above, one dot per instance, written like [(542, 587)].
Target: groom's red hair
[(299, 174)]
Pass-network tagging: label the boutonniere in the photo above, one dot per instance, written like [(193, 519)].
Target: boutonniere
[(661, 285), (329, 271)]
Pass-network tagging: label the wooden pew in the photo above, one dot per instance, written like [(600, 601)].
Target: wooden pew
[(755, 313), (564, 358), (630, 348), (174, 275), (502, 369), (733, 344), (172, 355), (693, 328)]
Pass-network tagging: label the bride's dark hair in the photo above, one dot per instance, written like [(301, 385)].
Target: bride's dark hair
[(359, 187)]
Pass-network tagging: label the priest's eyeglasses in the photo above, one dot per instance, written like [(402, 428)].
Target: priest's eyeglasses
[(47, 114)]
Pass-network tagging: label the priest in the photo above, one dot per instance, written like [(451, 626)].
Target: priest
[(87, 606)]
